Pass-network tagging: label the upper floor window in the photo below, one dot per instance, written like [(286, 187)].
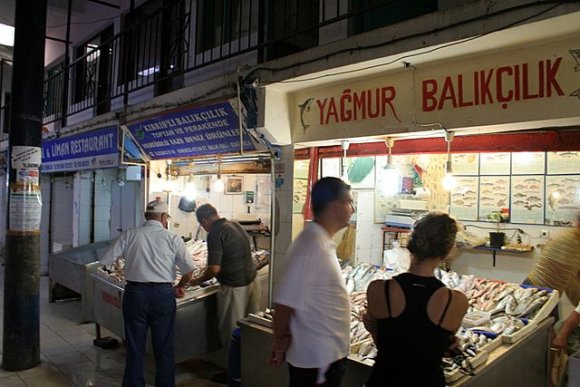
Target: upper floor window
[(53, 90), (154, 41), (373, 14), (225, 22), (292, 27)]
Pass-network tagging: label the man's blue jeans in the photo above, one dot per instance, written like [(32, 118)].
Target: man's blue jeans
[(149, 305)]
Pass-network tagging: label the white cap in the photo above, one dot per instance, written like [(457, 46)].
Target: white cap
[(157, 207)]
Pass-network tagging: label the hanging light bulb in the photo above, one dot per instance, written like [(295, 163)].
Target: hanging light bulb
[(449, 181), (218, 184), (344, 144), (392, 175)]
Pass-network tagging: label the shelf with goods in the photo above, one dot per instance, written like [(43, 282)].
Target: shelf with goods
[(391, 234)]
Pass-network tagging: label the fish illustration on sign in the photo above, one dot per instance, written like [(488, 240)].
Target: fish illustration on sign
[(576, 55), (305, 108)]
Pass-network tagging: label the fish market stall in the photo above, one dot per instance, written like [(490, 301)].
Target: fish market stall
[(196, 331), (70, 270), (507, 326), (196, 321)]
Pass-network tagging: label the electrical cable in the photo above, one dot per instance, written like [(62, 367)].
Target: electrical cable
[(85, 23)]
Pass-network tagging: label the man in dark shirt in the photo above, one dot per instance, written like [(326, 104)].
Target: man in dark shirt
[(230, 261)]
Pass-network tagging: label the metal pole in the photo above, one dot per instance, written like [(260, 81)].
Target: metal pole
[(129, 31), (64, 107), (21, 336), (239, 79), (273, 231)]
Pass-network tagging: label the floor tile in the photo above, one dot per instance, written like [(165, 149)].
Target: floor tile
[(69, 357)]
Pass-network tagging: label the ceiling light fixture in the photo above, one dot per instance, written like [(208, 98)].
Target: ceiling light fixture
[(218, 184), (449, 181), (344, 144), (392, 175)]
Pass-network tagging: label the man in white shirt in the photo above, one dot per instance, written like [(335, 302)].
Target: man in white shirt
[(312, 318), (151, 254)]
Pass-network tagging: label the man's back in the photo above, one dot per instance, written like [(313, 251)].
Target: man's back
[(151, 253), (229, 247), (559, 265)]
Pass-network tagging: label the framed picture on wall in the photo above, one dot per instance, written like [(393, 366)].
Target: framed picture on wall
[(234, 185)]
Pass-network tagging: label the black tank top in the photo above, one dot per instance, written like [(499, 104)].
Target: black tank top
[(411, 346)]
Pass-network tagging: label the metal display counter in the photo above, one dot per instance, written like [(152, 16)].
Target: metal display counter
[(71, 269), (524, 363), (196, 324)]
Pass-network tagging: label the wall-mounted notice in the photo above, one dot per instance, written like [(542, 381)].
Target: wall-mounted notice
[(465, 163), (464, 198), (494, 163), (89, 150), (527, 198), (528, 163), (493, 195), (25, 208), (562, 200), (563, 162), (198, 131)]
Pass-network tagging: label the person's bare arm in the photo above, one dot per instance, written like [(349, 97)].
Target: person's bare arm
[(282, 337), (571, 323), (210, 272), (180, 288)]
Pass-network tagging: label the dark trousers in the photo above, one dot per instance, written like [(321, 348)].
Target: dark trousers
[(306, 377), (149, 305)]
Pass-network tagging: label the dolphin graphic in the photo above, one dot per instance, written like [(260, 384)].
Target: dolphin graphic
[(305, 108)]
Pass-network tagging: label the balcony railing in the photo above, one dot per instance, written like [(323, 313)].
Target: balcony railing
[(159, 49)]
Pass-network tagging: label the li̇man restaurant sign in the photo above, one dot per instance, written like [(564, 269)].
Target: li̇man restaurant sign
[(205, 130), (90, 150), (528, 85)]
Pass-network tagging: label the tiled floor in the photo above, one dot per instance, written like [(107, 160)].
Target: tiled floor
[(69, 358)]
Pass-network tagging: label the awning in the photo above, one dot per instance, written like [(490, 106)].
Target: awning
[(89, 150), (198, 131)]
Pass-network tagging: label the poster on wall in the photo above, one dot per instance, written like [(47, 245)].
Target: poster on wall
[(528, 163), (464, 198), (494, 163), (300, 185), (562, 200), (494, 194), (527, 199), (360, 172), (465, 163), (563, 162)]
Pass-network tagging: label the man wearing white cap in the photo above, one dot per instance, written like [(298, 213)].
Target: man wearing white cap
[(151, 254)]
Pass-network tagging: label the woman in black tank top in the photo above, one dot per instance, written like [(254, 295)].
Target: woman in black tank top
[(411, 318)]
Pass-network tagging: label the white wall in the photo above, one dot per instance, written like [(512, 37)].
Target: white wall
[(228, 206)]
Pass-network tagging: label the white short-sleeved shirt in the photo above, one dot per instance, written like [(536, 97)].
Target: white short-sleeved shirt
[(577, 308), (151, 253), (312, 285)]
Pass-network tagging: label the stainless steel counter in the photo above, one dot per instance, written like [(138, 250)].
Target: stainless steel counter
[(71, 269), (524, 363), (196, 328)]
